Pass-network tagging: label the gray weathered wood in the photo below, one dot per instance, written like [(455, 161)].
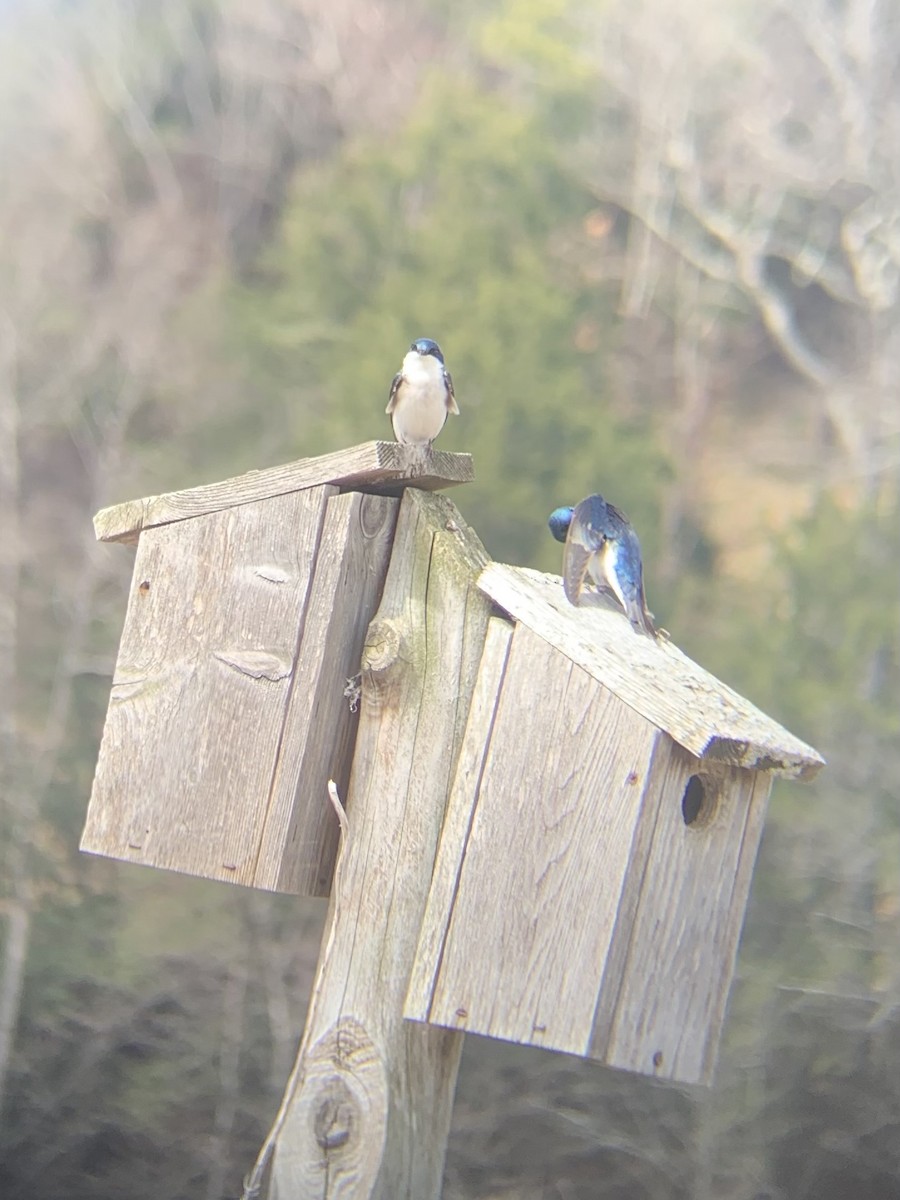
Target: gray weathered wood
[(572, 906), (700, 712), (242, 631), (458, 820), (671, 999), (657, 775), (556, 797), (200, 687), (299, 840), (419, 666), (372, 465)]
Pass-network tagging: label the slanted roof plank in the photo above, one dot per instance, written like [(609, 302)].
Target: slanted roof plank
[(656, 679), (379, 466)]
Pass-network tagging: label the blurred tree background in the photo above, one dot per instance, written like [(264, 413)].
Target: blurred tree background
[(660, 245)]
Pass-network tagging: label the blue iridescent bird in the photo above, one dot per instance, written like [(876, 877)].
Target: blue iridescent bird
[(601, 542), (421, 395)]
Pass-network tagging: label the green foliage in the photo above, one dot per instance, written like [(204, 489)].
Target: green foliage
[(818, 645), (826, 652), (844, 599), (450, 232), (541, 43), (474, 220)]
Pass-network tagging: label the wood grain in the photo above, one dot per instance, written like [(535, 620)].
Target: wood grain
[(670, 1002), (201, 685), (571, 906), (458, 820), (299, 839), (419, 667), (372, 465), (701, 713), (656, 777), (338, 1131), (556, 802)]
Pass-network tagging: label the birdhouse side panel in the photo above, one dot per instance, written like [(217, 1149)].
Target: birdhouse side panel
[(555, 809), (200, 688), (458, 818), (300, 838), (671, 1000)]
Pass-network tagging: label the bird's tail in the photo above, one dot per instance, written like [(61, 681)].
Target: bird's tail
[(639, 616)]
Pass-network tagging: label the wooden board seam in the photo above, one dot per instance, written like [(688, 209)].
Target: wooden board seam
[(462, 857), (743, 868), (611, 1003), (327, 492)]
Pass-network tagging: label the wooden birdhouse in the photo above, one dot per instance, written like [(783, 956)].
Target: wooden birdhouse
[(602, 827), (249, 604), (548, 822)]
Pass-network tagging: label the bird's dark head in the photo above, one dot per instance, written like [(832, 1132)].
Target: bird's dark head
[(560, 520), (426, 346)]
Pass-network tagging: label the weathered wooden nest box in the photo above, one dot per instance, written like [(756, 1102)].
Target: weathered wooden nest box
[(249, 604), (601, 832), (602, 795)]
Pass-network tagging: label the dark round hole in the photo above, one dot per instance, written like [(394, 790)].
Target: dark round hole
[(693, 799)]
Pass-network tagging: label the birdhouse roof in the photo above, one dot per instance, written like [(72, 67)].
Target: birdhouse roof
[(371, 466), (656, 679)]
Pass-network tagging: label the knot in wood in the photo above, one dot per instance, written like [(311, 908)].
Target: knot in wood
[(374, 516), (383, 652), (335, 1116), (338, 1120)]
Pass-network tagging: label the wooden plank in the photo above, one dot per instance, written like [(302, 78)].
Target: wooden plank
[(458, 821), (300, 837), (200, 688), (373, 465), (542, 868), (671, 1000), (418, 672), (656, 679), (656, 777)]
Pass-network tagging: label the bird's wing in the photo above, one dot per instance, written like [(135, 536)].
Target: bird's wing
[(618, 519), (575, 564), (583, 541), (451, 398), (629, 554), (395, 387)]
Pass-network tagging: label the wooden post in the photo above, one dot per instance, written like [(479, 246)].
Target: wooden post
[(604, 795), (374, 1093)]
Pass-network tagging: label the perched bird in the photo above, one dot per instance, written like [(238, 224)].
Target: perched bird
[(600, 542), (421, 395)]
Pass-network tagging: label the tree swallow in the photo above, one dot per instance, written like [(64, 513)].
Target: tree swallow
[(600, 542), (421, 395)]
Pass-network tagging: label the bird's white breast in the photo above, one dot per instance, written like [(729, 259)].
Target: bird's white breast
[(603, 569), (423, 370), (421, 406)]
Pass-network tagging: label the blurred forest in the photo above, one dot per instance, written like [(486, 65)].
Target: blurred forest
[(660, 246)]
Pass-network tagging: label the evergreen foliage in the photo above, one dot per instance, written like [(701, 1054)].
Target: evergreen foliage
[(656, 247), (448, 232)]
